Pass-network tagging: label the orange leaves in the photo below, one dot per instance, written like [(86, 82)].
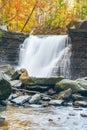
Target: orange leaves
[(47, 13), (19, 8)]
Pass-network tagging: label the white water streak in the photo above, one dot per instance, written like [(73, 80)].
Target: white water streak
[(39, 55)]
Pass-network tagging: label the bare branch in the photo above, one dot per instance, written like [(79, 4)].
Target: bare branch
[(29, 16)]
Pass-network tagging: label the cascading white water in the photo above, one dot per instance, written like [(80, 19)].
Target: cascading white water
[(40, 55)]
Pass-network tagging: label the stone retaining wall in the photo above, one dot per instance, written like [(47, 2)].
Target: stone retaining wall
[(9, 47), (79, 53)]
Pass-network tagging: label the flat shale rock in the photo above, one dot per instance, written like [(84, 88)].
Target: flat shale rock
[(56, 102), (37, 88), (51, 81), (21, 100), (80, 103), (16, 83), (78, 97)]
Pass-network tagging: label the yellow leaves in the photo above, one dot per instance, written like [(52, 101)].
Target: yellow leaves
[(47, 13)]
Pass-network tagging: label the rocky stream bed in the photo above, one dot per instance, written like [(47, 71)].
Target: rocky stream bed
[(30, 103), (36, 117)]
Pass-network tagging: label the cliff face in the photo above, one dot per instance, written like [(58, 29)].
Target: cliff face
[(9, 47), (79, 53)]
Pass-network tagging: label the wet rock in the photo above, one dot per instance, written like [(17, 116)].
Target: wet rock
[(71, 114), (43, 81), (16, 75), (56, 102), (3, 102), (33, 105), (80, 103), (78, 97), (50, 120), (43, 103), (65, 94), (67, 103), (16, 83), (66, 84), (83, 83), (21, 100), (35, 99), (37, 88), (51, 91), (2, 119), (46, 98), (6, 76), (12, 96), (8, 69), (83, 115), (5, 88), (6, 72)]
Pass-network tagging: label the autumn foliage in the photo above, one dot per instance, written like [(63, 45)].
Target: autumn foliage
[(24, 15)]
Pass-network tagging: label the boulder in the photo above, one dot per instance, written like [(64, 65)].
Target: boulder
[(3, 103), (5, 89), (6, 76), (66, 84), (16, 83), (83, 115), (35, 99), (51, 91), (80, 103), (65, 94), (46, 98), (78, 97), (51, 81), (83, 83), (16, 75), (7, 69)]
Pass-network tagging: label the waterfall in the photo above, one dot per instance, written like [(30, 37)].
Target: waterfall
[(46, 56)]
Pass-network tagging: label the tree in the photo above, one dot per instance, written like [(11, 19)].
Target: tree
[(23, 15)]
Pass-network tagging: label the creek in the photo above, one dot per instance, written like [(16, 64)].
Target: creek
[(40, 118)]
